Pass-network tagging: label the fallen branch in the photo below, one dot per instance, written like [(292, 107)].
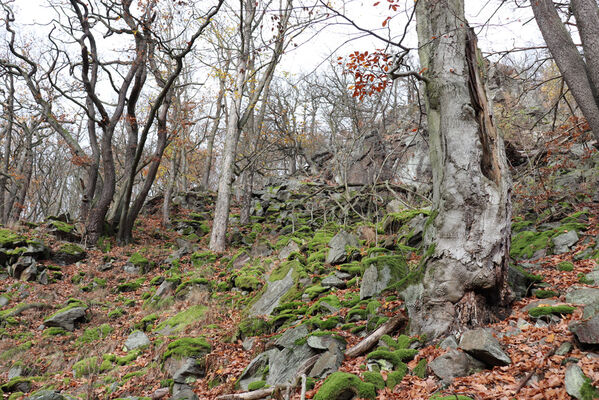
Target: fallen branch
[(254, 395), (24, 307), (373, 339), (533, 371)]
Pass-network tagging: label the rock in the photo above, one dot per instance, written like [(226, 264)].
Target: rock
[(66, 319), (574, 380), (482, 345), (563, 349), (382, 272), (166, 287), (261, 249), (449, 342), (588, 297), (325, 342), (192, 368), (22, 264), (15, 371), (593, 276), (290, 336), (37, 250), (69, 253), (136, 340), (4, 301), (133, 269), (288, 250), (587, 332), (255, 369), (271, 297), (394, 206), (42, 277), (333, 281), (562, 243), (454, 364), (328, 362), (184, 393), (30, 274), (160, 393), (240, 260), (284, 364), (248, 343), (337, 252), (46, 395)]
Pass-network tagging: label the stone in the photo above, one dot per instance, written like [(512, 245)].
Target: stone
[(562, 243), (587, 332), (22, 264), (327, 363), (453, 364), (133, 269), (30, 273), (241, 260), (160, 393), (68, 253), (482, 345), (272, 295), (286, 251), (283, 365), (261, 249), (192, 368), (337, 247), (324, 342), (66, 319), (449, 342), (248, 343), (574, 380), (333, 281), (563, 349), (184, 393), (290, 336), (165, 288), (42, 277), (394, 206), (374, 281), (136, 340), (46, 395), (255, 369), (37, 250), (588, 297), (4, 301), (15, 371)]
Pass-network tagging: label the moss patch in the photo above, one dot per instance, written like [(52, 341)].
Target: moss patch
[(187, 347), (541, 311), (85, 367), (184, 318), (344, 385)]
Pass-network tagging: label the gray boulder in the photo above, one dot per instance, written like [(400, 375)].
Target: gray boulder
[(284, 365), (288, 250), (190, 369), (136, 340), (46, 395), (588, 297), (574, 380), (562, 243), (587, 332), (454, 364), (337, 253), (66, 319), (255, 370), (449, 342), (22, 264), (184, 393), (593, 276), (482, 345), (374, 281), (271, 297), (290, 336), (333, 281)]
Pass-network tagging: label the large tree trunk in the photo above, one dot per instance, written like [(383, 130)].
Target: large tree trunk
[(464, 282), (581, 75)]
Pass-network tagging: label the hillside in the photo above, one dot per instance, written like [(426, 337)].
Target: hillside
[(320, 269)]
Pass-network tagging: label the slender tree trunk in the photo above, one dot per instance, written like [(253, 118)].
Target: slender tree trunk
[(582, 78), (464, 282), (168, 192), (213, 131), (26, 173), (4, 194), (246, 200)]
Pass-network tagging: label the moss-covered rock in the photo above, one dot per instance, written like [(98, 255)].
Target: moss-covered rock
[(256, 385), (252, 326), (341, 385), (396, 357), (93, 334), (69, 253), (178, 322), (541, 311), (375, 378), (420, 369), (565, 266), (187, 347), (85, 367), (526, 243)]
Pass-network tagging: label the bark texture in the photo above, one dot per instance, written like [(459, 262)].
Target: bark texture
[(581, 74), (468, 232)]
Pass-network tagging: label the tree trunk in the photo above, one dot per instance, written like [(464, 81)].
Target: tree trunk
[(582, 78), (464, 279), (168, 192), (9, 110), (26, 173), (246, 199), (213, 131)]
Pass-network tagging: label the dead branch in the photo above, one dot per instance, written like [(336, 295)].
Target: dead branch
[(373, 339)]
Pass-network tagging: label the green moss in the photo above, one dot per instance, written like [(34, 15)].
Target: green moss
[(85, 367), (247, 282), (71, 303), (146, 322), (317, 257), (325, 324), (582, 278), (253, 326), (116, 313), (9, 238), (187, 347), (538, 312), (184, 318), (283, 269), (520, 225), (131, 356), (139, 260), (201, 258), (54, 331), (396, 357), (62, 226), (394, 378), (375, 378), (192, 282), (12, 352), (92, 334), (256, 385), (420, 369), (131, 286), (16, 395), (545, 294), (526, 243), (105, 366), (104, 244), (315, 291), (12, 384), (394, 221), (71, 249), (565, 266), (588, 391), (340, 383)]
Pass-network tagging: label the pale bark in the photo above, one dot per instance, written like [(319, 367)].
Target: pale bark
[(581, 77), (469, 232)]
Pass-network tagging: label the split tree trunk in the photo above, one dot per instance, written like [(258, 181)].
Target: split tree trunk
[(464, 282)]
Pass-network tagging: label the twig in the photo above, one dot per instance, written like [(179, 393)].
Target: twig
[(532, 371), (303, 392), (373, 339)]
